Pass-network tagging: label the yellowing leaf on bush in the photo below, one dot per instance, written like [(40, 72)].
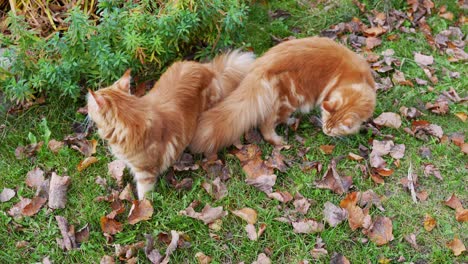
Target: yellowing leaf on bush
[(429, 223)]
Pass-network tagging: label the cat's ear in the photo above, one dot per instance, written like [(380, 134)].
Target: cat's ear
[(329, 106), (95, 100), (124, 82)]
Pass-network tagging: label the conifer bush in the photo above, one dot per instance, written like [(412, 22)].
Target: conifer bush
[(94, 51)]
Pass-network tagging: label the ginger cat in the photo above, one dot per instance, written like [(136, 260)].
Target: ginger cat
[(296, 74), (150, 133)]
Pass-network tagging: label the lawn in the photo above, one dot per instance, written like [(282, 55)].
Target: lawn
[(29, 239)]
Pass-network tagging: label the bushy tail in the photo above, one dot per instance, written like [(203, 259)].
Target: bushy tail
[(230, 69), (244, 108)]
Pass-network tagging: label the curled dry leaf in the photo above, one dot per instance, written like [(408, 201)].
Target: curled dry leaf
[(333, 214), (17, 209), (55, 145), (126, 193), (327, 149), (429, 223), (462, 116), (431, 169), (423, 59), (276, 161), (453, 202), (263, 183), (248, 214), (216, 169), (58, 191), (107, 260), (307, 226), (381, 231), (457, 246), (388, 119), (152, 253), (86, 163), (34, 178), (185, 163), (208, 214), (28, 151), (461, 215), (440, 106), (7, 194), (217, 189), (301, 205), (81, 144), (202, 258), (68, 240), (140, 211), (33, 207), (82, 235), (283, 197), (250, 157), (319, 249), (355, 157), (338, 258), (262, 259), (116, 170), (333, 181), (110, 226), (411, 239), (252, 233)]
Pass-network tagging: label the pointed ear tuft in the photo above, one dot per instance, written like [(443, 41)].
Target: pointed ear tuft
[(95, 100), (329, 106), (124, 82)]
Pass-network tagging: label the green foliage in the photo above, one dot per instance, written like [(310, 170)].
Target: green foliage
[(92, 53)]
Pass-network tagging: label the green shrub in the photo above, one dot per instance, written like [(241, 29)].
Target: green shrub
[(92, 53)]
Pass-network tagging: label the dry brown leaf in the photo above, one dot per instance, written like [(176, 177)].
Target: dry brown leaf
[(422, 195), (388, 119), (369, 198), (453, 202), (327, 149), (332, 180), (429, 223), (140, 211), (152, 253), (338, 258), (283, 197), (55, 145), (250, 157), (381, 231), (423, 59), (7, 194), (68, 240), (374, 31), (185, 163), (248, 214), (28, 151), (447, 15), (107, 260), (17, 209), (263, 183), (58, 191), (202, 258), (208, 214), (333, 214), (252, 233), (319, 249), (440, 106), (82, 235), (217, 189), (462, 116), (355, 157), (116, 170), (262, 259), (126, 193), (384, 172), (431, 169), (276, 161), (110, 226), (35, 178), (301, 205), (307, 226), (457, 246), (372, 42), (216, 169), (34, 207), (80, 143), (461, 215), (411, 239), (86, 163)]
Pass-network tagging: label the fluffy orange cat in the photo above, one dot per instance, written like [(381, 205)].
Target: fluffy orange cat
[(296, 74), (150, 133)]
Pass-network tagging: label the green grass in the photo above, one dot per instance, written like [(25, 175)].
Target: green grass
[(41, 230)]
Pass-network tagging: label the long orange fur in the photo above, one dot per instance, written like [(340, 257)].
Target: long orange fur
[(150, 133), (297, 74)]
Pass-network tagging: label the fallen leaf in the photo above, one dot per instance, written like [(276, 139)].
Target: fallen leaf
[(7, 194), (327, 149), (248, 214), (126, 193), (184, 184), (372, 42), (34, 206), (381, 231), (283, 197), (202, 258), (369, 198), (388, 119), (216, 169), (374, 31), (263, 183), (262, 259), (333, 214), (411, 239), (431, 169), (17, 209), (250, 157), (422, 195), (152, 253), (107, 260), (440, 106), (307, 226), (429, 223), (28, 151), (453, 202), (461, 215), (81, 144), (319, 249), (140, 211), (423, 59), (82, 235), (208, 214), (252, 233), (86, 163), (185, 163), (276, 161), (457, 246), (332, 180), (55, 145), (398, 151), (217, 189), (355, 157), (338, 258), (58, 191), (301, 205), (462, 116), (384, 172), (110, 226), (34, 178), (116, 170), (68, 241)]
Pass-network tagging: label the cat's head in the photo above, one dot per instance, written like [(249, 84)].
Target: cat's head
[(346, 109), (104, 105)]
